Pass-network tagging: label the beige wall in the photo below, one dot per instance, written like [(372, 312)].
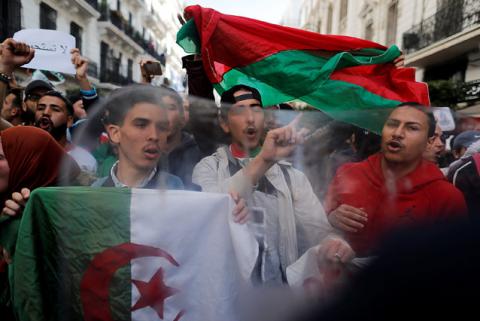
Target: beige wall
[(409, 13)]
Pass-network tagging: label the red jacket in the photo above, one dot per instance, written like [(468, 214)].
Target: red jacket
[(423, 195)]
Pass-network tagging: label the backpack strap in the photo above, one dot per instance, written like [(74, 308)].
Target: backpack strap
[(287, 178)]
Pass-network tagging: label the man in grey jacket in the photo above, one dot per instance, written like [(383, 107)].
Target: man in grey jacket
[(287, 217)]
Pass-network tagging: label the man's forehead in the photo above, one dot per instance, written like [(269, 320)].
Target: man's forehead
[(148, 105), (148, 110), (409, 114), (52, 100), (247, 103), (169, 101), (147, 118)]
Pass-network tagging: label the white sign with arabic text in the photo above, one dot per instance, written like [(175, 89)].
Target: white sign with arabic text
[(52, 49)]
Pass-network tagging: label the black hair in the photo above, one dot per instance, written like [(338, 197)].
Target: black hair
[(74, 98), (18, 93), (285, 106), (341, 132), (366, 143), (68, 103), (228, 98), (172, 93), (120, 101), (432, 123)]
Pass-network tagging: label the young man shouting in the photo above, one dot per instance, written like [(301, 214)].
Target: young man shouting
[(137, 123), (395, 187), (287, 216)]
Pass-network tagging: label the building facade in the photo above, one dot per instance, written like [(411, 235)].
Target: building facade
[(291, 17), (440, 38), (113, 34)]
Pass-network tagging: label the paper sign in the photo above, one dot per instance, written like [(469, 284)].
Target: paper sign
[(52, 49), (444, 118)]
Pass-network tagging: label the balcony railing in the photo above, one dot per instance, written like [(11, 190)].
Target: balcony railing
[(93, 3), (449, 20), (116, 18), (114, 77)]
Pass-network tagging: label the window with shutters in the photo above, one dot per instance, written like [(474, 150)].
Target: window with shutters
[(392, 23), (76, 31), (48, 17)]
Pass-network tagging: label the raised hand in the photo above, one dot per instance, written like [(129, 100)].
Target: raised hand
[(14, 54), (80, 62), (399, 62), (281, 142)]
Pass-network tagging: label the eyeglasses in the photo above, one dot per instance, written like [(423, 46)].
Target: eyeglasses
[(33, 97)]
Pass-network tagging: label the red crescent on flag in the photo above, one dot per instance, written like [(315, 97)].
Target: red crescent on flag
[(94, 287)]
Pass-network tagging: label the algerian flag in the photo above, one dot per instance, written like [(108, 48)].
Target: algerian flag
[(350, 79), (129, 254)]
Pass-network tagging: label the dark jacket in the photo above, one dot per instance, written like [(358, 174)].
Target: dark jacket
[(203, 123), (466, 177), (86, 134), (183, 159)]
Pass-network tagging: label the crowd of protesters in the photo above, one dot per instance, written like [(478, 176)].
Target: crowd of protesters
[(348, 189)]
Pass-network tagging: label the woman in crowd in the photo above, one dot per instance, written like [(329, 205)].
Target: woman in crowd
[(29, 158)]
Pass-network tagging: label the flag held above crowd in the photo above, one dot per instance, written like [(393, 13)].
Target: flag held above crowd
[(351, 79)]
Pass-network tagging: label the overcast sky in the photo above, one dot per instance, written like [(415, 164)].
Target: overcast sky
[(266, 10)]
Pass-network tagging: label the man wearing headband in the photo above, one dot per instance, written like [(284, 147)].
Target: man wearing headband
[(287, 217)]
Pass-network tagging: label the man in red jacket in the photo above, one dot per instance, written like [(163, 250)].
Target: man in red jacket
[(395, 187)]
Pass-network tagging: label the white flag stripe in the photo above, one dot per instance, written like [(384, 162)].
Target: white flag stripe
[(215, 255)]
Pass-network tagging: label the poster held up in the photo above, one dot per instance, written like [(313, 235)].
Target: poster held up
[(52, 49)]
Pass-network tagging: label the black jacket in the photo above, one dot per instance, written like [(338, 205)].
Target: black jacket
[(183, 159)]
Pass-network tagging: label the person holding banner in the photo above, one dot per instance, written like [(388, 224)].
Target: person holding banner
[(137, 124), (29, 158), (13, 54)]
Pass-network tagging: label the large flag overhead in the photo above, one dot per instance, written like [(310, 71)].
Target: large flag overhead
[(350, 79), (129, 254)]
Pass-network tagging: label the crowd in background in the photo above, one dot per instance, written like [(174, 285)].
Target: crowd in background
[(318, 179)]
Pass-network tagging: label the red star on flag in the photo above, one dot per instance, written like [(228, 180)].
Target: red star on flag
[(154, 293)]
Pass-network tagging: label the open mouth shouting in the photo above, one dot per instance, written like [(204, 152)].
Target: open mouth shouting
[(250, 132), (394, 146), (151, 152), (45, 123)]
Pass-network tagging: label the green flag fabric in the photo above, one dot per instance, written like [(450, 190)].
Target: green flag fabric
[(129, 254)]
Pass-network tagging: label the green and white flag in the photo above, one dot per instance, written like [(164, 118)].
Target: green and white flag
[(129, 254)]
